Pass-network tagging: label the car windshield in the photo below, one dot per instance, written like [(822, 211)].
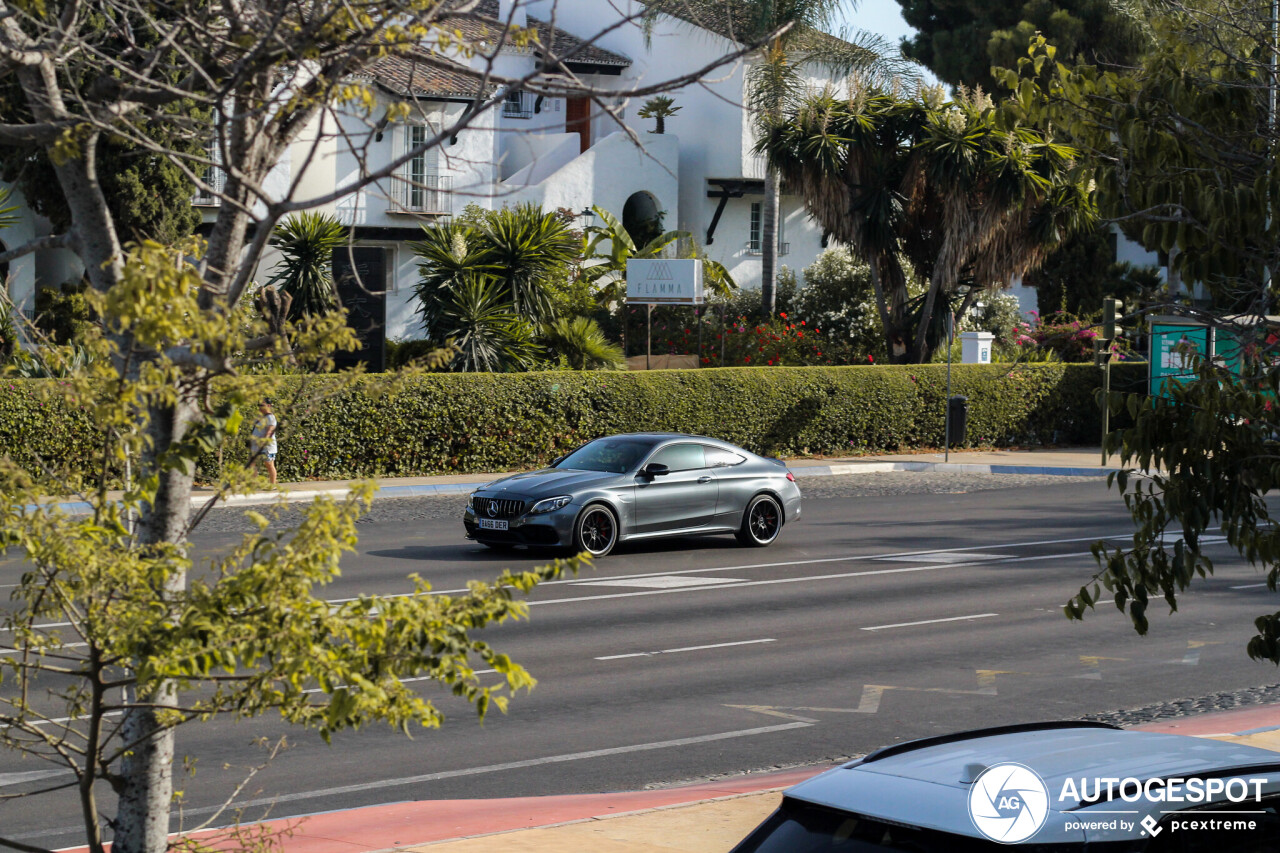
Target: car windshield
[(615, 455), (799, 827)]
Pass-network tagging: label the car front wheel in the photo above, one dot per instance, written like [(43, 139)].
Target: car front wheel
[(596, 531), (761, 523)]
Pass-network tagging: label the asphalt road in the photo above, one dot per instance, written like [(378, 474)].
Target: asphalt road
[(899, 606)]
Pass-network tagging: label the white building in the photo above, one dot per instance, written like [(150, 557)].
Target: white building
[(554, 152)]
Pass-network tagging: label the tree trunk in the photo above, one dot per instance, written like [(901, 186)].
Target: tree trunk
[(769, 244), (890, 284), (921, 350), (142, 815)]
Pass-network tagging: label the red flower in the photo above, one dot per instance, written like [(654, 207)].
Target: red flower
[(870, 360), (802, 322), (706, 361), (782, 314), (819, 353), (747, 359)]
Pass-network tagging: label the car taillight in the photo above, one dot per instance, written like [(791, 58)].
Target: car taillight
[(791, 477)]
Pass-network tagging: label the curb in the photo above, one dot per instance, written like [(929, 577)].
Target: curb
[(427, 490)]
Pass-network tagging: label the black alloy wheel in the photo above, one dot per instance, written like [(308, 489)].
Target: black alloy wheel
[(761, 523), (596, 531)]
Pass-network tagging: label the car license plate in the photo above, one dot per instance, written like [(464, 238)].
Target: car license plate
[(491, 524)]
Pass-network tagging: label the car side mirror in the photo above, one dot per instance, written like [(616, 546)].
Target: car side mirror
[(655, 469)]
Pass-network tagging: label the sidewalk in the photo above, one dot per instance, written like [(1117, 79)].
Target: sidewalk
[(1075, 462), (705, 818)]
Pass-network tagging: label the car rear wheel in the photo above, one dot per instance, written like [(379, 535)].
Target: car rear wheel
[(596, 531), (761, 523)]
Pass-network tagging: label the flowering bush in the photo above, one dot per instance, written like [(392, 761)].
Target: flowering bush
[(781, 341), (1067, 337)]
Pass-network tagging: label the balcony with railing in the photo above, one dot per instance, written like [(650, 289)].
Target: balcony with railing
[(430, 195), (214, 180)]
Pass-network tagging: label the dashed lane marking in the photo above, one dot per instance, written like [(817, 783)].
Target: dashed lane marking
[(931, 621), (662, 582), (687, 649), (946, 557)]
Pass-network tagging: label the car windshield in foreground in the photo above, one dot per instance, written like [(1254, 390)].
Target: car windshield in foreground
[(615, 455), (800, 827)]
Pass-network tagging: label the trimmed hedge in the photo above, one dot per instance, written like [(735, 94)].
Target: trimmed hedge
[(494, 422)]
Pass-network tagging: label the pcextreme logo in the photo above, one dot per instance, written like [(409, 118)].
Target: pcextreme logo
[(1008, 803)]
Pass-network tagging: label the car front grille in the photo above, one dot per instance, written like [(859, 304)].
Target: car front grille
[(502, 507)]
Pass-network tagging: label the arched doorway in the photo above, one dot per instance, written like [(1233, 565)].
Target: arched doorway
[(641, 217)]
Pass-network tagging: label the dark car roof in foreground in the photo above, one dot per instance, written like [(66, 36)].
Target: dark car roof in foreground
[(894, 784)]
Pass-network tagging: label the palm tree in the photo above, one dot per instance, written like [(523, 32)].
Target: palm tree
[(776, 83), (528, 249), (307, 242), (478, 321), (659, 108), (582, 343), (967, 197)]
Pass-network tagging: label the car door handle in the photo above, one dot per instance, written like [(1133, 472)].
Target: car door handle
[(704, 479)]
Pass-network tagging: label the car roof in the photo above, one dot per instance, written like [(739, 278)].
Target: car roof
[(891, 784), (671, 436)]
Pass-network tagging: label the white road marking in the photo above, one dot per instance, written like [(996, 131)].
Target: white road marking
[(947, 558), (409, 680), (661, 582), (807, 579), (1249, 586), (685, 649), (52, 649), (931, 621), (69, 719), (784, 564), (7, 779), (498, 768)]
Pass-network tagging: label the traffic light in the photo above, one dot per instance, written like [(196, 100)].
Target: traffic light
[(1112, 312), (1101, 352)]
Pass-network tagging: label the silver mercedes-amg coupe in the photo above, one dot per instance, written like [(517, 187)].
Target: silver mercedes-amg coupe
[(629, 487)]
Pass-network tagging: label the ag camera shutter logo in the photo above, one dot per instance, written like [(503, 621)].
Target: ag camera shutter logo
[(1008, 803)]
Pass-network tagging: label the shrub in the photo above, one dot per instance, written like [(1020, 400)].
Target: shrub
[(447, 422)]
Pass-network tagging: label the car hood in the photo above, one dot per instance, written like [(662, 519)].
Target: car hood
[(548, 482)]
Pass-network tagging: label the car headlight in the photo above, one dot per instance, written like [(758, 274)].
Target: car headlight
[(550, 504)]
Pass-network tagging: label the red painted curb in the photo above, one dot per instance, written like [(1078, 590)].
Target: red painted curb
[(1219, 722), (406, 824)]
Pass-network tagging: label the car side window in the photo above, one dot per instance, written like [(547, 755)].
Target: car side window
[(718, 458), (681, 457)]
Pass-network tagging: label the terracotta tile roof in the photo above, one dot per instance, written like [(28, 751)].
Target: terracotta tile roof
[(729, 18), (481, 24), (561, 43), (409, 76)]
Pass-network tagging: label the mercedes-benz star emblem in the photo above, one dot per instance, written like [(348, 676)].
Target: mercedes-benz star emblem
[(493, 509)]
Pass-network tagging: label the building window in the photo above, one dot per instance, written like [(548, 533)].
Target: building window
[(419, 187), (518, 105), (755, 240)]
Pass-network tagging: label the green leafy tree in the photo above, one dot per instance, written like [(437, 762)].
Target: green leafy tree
[(252, 635), (1183, 153), (960, 41), (306, 242), (966, 195), (231, 90)]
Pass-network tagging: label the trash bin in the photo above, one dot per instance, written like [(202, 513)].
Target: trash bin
[(958, 419)]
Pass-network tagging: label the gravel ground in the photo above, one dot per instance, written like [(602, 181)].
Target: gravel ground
[(399, 510)]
